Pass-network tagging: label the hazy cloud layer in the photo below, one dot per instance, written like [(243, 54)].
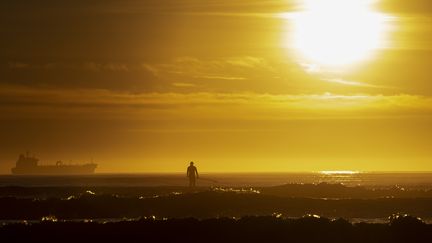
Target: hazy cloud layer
[(90, 104), (213, 46), (193, 74)]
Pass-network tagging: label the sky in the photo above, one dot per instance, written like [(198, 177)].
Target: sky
[(234, 85)]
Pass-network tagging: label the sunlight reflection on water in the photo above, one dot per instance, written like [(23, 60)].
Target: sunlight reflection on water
[(245, 180)]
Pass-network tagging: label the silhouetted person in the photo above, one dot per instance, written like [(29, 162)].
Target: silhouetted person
[(192, 173)]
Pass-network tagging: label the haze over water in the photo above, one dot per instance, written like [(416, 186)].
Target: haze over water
[(369, 179)]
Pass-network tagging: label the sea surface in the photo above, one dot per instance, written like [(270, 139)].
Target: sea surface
[(348, 178), (356, 196)]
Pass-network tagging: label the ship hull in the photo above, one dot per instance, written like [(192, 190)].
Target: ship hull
[(55, 170)]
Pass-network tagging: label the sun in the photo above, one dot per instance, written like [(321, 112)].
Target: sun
[(337, 32)]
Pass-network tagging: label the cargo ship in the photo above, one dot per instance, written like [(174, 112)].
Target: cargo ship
[(28, 165)]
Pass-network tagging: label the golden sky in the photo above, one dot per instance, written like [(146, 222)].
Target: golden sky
[(234, 85)]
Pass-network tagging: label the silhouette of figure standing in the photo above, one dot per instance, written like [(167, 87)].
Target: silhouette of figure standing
[(192, 173)]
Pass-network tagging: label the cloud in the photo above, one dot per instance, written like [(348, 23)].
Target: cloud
[(183, 85), (82, 75), (196, 67), (89, 66), (220, 77), (247, 62), (18, 65), (197, 71), (405, 7), (138, 76), (354, 83), (102, 104), (116, 67)]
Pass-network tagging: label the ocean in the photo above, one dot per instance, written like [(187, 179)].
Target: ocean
[(356, 196), (348, 178)]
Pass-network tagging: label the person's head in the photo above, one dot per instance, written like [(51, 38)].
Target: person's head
[(191, 163)]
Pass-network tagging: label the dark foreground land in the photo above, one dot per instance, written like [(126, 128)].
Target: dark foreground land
[(332, 201), (246, 229)]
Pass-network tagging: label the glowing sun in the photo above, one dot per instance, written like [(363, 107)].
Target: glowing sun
[(337, 32)]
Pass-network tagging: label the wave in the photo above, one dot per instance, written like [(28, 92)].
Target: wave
[(208, 204), (310, 228)]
